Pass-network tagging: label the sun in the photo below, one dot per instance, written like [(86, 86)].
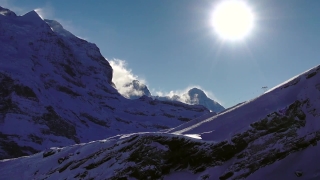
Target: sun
[(232, 19)]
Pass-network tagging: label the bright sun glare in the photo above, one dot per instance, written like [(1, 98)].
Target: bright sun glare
[(232, 19)]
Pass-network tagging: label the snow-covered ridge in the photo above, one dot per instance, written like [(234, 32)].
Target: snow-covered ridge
[(56, 90), (267, 141), (304, 86), (284, 136), (57, 28)]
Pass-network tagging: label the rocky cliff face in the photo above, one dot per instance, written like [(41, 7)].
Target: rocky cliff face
[(56, 90)]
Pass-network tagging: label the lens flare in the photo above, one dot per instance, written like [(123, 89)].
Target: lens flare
[(232, 20)]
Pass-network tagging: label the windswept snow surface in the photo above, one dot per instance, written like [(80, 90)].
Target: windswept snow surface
[(238, 119), (104, 159)]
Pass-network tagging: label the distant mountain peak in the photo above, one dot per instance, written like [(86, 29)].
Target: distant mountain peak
[(136, 89), (6, 12), (196, 90), (32, 17), (195, 94), (137, 83), (198, 96)]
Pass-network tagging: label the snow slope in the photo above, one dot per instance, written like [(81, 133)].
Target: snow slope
[(303, 88), (274, 136), (56, 90)]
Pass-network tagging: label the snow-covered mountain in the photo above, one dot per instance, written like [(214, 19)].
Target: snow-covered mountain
[(274, 136), (137, 89), (56, 90), (194, 96), (197, 96)]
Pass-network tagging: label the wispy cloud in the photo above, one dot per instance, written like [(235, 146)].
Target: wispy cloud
[(8, 4), (48, 12), (122, 76)]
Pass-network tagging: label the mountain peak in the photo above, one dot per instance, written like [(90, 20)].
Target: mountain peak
[(32, 14), (137, 89), (198, 96), (7, 12), (197, 91), (32, 17), (137, 83), (194, 96)]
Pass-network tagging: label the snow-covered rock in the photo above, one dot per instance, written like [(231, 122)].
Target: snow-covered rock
[(136, 89), (274, 136), (197, 96), (56, 90), (194, 96)]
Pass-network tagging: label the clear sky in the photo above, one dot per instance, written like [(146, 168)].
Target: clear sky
[(171, 44)]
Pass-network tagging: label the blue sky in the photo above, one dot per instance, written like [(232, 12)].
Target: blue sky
[(172, 46)]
